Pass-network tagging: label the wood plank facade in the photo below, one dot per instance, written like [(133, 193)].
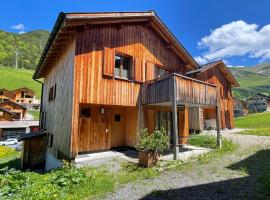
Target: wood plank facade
[(112, 75), (215, 74)]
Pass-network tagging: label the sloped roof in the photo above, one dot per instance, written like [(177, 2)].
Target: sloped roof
[(224, 69), (7, 111), (66, 22), (31, 135), (13, 103), (23, 88)]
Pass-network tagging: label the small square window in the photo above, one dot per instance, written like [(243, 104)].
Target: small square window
[(85, 111), (117, 118)]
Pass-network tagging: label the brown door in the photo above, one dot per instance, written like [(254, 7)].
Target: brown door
[(93, 134), (118, 127)]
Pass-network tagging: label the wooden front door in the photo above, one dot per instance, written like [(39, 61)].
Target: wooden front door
[(93, 129), (118, 127)]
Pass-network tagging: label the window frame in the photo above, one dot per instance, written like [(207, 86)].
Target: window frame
[(52, 93), (121, 69)]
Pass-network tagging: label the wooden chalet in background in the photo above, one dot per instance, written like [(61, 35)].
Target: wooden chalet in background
[(258, 103), (240, 107), (108, 75), (19, 111), (6, 115), (21, 95)]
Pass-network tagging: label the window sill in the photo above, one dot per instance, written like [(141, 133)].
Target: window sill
[(123, 79)]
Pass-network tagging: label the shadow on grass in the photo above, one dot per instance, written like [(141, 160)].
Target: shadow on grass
[(11, 163), (254, 186)]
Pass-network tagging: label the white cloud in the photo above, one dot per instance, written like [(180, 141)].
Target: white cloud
[(18, 27), (237, 38), (22, 32)]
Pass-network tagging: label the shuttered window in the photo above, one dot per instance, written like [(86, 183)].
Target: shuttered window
[(139, 70), (123, 65), (108, 62)]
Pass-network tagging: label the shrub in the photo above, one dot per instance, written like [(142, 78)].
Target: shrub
[(158, 141)]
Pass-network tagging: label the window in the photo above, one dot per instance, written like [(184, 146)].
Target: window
[(52, 93), (1, 113), (117, 118), (159, 72), (164, 119), (1, 92), (85, 111), (22, 94), (122, 66)]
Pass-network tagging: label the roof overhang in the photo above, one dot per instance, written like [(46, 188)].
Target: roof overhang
[(222, 67), (66, 24), (12, 103)]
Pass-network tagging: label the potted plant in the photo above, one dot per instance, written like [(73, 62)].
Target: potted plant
[(150, 145)]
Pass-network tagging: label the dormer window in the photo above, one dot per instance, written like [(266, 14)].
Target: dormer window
[(122, 66)]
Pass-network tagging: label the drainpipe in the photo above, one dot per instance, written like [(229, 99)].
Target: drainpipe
[(41, 101)]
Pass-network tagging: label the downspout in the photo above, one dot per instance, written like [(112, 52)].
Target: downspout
[(41, 101)]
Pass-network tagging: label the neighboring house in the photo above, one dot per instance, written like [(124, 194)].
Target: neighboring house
[(108, 75), (6, 115), (18, 110), (218, 74), (23, 95), (258, 103), (5, 95), (240, 107)]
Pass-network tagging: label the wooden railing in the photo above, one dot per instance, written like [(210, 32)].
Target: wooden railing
[(187, 91)]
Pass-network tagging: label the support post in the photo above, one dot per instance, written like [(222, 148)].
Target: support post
[(175, 124), (218, 126)]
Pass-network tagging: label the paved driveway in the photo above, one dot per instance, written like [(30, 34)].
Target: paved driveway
[(234, 176)]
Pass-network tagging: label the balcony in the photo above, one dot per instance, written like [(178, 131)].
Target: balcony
[(182, 89)]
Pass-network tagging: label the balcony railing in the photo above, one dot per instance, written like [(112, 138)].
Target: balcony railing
[(187, 91)]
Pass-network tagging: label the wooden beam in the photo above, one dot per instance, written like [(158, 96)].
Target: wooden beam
[(175, 124)]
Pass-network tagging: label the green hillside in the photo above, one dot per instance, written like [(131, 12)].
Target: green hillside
[(252, 80), (11, 78), (27, 46)]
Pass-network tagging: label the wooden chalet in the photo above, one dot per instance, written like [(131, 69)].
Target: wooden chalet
[(23, 95), (108, 75), (6, 95), (18, 110), (258, 103), (218, 74), (6, 115)]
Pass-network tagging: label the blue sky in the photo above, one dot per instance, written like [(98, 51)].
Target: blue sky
[(237, 31)]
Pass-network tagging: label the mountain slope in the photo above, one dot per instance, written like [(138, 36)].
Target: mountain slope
[(28, 47), (11, 79), (252, 80)]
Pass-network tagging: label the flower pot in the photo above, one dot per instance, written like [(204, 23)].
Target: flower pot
[(148, 158)]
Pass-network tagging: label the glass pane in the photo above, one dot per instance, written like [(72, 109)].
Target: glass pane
[(126, 68), (162, 72), (117, 66)]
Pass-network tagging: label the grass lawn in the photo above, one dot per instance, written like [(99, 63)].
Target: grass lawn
[(87, 183), (7, 152), (11, 79), (34, 113), (258, 123)]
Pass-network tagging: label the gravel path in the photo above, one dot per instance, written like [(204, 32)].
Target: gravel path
[(234, 176)]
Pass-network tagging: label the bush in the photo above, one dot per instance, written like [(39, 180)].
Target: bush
[(158, 141)]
